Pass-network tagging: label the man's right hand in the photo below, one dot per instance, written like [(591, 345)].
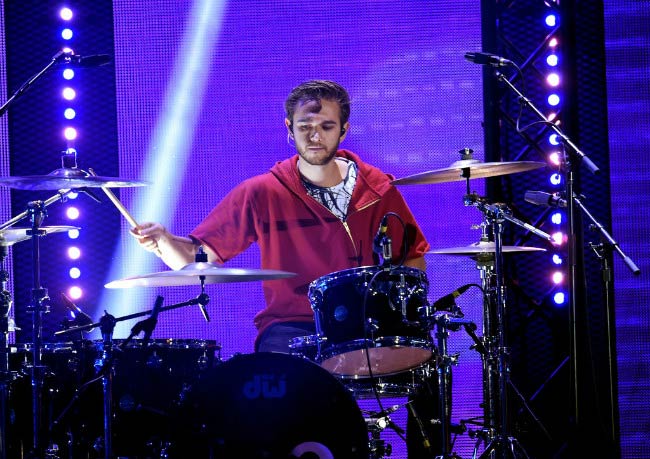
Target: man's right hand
[(175, 251), (149, 234)]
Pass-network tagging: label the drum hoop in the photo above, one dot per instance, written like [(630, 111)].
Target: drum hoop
[(54, 348), (356, 272), (167, 343), (382, 342)]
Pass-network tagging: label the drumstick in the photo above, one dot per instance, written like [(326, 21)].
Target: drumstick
[(125, 213)]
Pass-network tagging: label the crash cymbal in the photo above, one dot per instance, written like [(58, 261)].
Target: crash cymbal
[(192, 273), (11, 236), (480, 248), (468, 169), (66, 178)]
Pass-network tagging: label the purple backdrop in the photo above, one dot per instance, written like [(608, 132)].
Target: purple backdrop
[(200, 86), (200, 108), (628, 94)]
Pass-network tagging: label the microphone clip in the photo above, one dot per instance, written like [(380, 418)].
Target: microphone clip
[(382, 244)]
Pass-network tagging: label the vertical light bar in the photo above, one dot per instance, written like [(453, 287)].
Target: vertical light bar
[(69, 134), (554, 80)]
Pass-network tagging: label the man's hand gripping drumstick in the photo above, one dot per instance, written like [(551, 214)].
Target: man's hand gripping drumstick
[(175, 251), (148, 243)]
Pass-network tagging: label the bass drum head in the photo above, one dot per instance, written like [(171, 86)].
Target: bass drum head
[(269, 405)]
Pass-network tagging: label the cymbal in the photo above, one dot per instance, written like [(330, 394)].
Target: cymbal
[(475, 168), (66, 178), (483, 248), (192, 273), (11, 236)]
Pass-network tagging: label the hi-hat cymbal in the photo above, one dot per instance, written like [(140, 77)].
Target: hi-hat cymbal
[(191, 274), (468, 169), (11, 236), (66, 178), (483, 248)]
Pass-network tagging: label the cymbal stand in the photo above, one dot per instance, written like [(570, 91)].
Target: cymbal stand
[(107, 326), (502, 444), (39, 305), (36, 211), (445, 322), (487, 433), (5, 373), (488, 345)]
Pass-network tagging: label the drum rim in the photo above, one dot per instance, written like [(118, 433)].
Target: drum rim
[(361, 269), (384, 341), (164, 343)]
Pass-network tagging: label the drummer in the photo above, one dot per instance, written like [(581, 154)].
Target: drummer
[(313, 214)]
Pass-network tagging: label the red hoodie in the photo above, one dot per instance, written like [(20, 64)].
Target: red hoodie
[(296, 233)]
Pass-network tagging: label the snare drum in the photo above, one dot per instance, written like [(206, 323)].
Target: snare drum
[(371, 314)]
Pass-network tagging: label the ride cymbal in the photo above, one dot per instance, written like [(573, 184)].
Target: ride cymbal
[(468, 169), (66, 178), (11, 236), (480, 248), (191, 274)]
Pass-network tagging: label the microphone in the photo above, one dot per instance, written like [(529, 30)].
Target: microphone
[(488, 59), (75, 311), (90, 194), (449, 300), (426, 442), (382, 245), (77, 61), (378, 241), (151, 321), (539, 198), (147, 325), (203, 300)]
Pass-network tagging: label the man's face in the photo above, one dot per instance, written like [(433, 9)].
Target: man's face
[(317, 133)]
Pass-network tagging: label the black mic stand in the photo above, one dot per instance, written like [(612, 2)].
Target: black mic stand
[(571, 160), (603, 252), (568, 169), (59, 57)]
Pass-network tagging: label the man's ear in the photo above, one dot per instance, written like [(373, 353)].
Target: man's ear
[(344, 131), (289, 126)]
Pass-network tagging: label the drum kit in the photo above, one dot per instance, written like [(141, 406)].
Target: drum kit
[(178, 398)]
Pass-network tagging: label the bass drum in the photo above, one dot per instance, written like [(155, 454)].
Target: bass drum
[(268, 405)]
